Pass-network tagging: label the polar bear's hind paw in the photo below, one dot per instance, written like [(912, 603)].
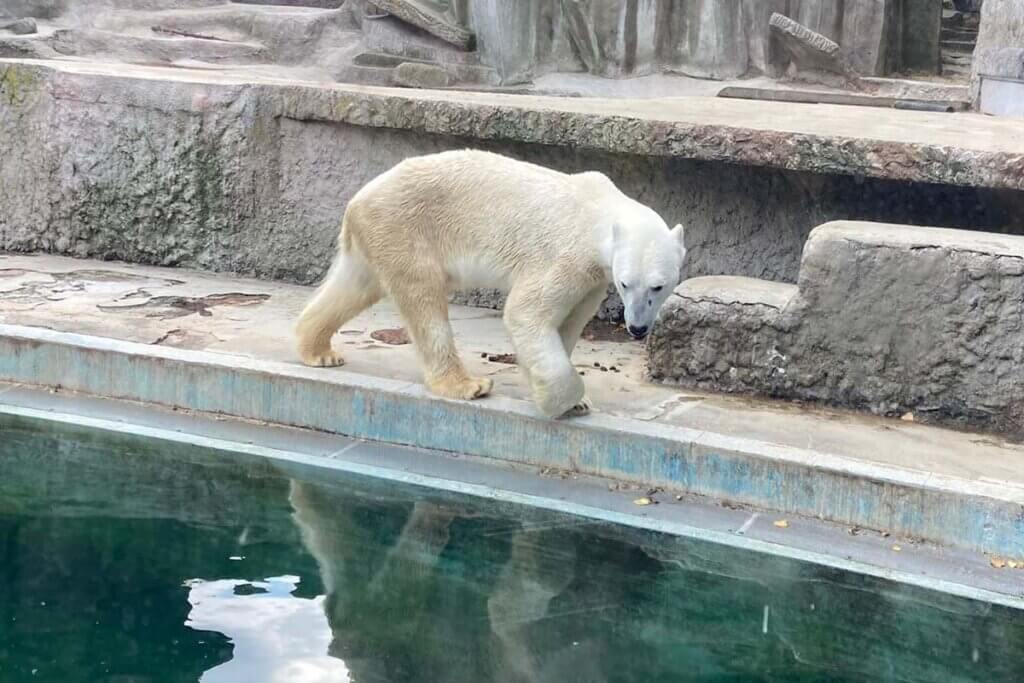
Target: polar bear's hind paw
[(580, 409), (465, 389), (328, 359)]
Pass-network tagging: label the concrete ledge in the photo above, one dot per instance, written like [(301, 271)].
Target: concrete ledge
[(888, 318), (976, 515), (902, 145)]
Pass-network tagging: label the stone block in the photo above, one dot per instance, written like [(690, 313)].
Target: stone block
[(887, 318), (418, 75), (19, 27), (808, 49)]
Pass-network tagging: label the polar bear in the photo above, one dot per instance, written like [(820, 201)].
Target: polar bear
[(472, 219)]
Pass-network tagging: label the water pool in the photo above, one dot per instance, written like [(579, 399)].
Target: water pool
[(124, 559)]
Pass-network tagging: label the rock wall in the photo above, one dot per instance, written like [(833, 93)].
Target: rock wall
[(228, 177), (887, 318)]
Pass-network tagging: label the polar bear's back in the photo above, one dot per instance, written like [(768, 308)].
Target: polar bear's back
[(477, 205)]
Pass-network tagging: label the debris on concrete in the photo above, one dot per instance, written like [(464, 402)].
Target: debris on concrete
[(395, 337), (781, 523), (506, 358), (1004, 563), (170, 307)]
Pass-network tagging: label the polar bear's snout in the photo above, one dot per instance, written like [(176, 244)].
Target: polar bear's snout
[(637, 333)]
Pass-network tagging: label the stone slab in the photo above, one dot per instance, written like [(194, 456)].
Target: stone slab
[(1002, 97), (409, 12), (808, 49), (221, 344)]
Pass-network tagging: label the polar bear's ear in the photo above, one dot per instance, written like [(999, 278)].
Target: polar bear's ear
[(677, 234)]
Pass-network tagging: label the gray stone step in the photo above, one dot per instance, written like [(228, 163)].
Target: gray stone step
[(159, 48), (470, 74), (958, 46), (376, 68), (959, 34)]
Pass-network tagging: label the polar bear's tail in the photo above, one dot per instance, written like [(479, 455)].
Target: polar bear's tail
[(350, 288)]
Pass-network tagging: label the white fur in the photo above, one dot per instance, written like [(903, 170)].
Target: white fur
[(470, 219)]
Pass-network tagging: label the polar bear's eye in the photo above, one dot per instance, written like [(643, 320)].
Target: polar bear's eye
[(657, 289), (624, 285)]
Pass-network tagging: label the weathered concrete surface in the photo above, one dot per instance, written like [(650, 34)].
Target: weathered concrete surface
[(223, 345), (1000, 48), (231, 173), (887, 318)]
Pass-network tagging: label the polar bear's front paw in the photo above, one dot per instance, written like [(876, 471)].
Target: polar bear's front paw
[(462, 388), (326, 359), (580, 409)]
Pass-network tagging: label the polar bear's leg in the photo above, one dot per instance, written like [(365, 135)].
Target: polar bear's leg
[(585, 310), (533, 314), (423, 304), (349, 289), (571, 329)]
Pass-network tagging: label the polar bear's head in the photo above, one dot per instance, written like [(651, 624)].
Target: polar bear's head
[(647, 259)]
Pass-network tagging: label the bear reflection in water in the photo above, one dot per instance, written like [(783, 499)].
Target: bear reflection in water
[(425, 590)]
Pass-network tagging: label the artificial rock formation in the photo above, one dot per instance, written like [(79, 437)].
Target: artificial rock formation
[(887, 318), (477, 42)]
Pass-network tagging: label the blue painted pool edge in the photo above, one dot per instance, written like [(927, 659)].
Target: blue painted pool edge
[(971, 515)]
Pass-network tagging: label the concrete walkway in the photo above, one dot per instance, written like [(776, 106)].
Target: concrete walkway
[(235, 318)]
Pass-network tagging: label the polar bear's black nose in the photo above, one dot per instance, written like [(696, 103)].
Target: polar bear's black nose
[(637, 332)]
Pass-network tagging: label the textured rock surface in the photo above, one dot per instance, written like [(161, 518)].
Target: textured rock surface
[(514, 41), (1000, 49), (416, 75), (173, 167), (887, 318)]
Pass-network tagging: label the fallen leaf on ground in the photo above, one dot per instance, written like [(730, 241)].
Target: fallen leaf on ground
[(643, 501), (1004, 563), (897, 548), (782, 524), (908, 417), (395, 337)]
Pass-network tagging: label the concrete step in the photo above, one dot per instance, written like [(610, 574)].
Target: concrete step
[(959, 34), (958, 46), (160, 48), (158, 347), (464, 74)]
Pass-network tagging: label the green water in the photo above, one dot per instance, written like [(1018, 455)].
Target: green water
[(122, 561)]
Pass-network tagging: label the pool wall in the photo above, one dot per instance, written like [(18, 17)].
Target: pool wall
[(978, 515)]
